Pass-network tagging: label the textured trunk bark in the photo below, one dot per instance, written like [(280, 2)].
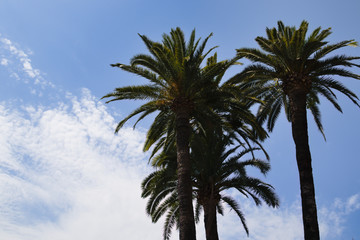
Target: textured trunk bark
[(303, 158), (186, 212), (210, 219)]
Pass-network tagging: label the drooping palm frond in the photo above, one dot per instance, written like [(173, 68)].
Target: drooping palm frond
[(235, 206)]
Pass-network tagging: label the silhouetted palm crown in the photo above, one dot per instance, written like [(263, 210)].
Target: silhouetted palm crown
[(291, 62)]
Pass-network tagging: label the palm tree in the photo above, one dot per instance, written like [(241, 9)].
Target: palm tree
[(215, 170), (292, 70), (184, 94)]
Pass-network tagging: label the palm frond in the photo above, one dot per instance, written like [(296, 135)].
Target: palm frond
[(234, 206)]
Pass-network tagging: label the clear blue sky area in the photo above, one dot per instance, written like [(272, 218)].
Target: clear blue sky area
[(65, 175)]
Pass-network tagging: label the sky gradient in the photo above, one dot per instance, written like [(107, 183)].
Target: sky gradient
[(64, 174)]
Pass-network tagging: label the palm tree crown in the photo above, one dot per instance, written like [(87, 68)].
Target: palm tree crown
[(291, 62)]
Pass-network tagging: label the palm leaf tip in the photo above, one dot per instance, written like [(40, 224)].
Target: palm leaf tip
[(353, 43), (108, 96), (117, 65)]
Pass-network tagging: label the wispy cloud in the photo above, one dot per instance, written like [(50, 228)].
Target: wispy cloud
[(350, 205), (4, 62), (18, 63)]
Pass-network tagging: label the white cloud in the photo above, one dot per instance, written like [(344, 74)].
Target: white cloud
[(4, 62), (353, 203), (18, 62), (65, 175), (350, 205)]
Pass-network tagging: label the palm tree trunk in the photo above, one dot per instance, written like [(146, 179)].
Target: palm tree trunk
[(210, 219), (186, 212), (303, 158)]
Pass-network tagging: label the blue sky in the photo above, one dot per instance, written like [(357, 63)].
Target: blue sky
[(65, 175)]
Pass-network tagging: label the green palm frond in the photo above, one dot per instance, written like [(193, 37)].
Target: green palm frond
[(317, 117), (152, 77), (320, 53), (160, 127), (144, 92), (198, 209), (147, 108), (158, 210), (170, 221), (234, 206)]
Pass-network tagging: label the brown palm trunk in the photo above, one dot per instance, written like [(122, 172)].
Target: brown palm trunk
[(303, 158), (186, 212), (210, 219)]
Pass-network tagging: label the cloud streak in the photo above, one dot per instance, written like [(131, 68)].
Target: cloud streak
[(18, 63)]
